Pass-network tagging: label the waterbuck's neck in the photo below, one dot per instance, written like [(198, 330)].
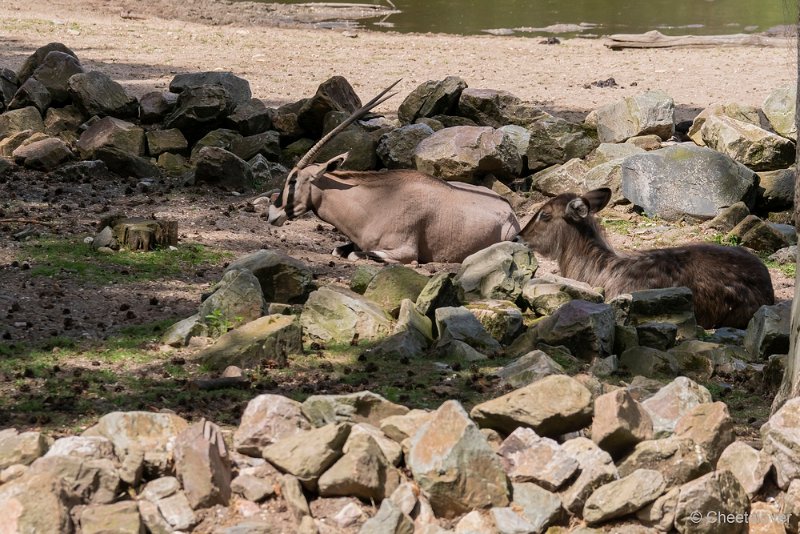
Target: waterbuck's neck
[(583, 254)]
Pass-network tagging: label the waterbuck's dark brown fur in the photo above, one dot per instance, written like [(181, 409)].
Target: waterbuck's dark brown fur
[(728, 283)]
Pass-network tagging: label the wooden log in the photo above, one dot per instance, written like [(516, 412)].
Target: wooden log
[(141, 234), (656, 39)]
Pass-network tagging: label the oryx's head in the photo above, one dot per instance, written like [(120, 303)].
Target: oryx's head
[(295, 199)]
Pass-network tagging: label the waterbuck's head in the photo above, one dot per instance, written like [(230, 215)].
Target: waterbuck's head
[(295, 198), (564, 221)]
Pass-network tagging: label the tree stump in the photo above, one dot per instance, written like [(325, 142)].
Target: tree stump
[(137, 233)]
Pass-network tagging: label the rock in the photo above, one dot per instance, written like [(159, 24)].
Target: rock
[(334, 94), (152, 519), (678, 459), (396, 148), (23, 500), (791, 506), (645, 142), (554, 140), (499, 271), (779, 108), (219, 138), (268, 419), (156, 105), (468, 153), (54, 73), (362, 472), (89, 448), (250, 117), (749, 466), (154, 433), (270, 338), (728, 217), (238, 88), (292, 492), (266, 143), (203, 465), (126, 164), (282, 278), (44, 155), (539, 507), (619, 422), (545, 294), (585, 328), (768, 331), (441, 291), (710, 426), (501, 319), (709, 498), (488, 107), (745, 114), (19, 120), (552, 406), (361, 407), (335, 315), (388, 520), (646, 113), (410, 319), (267, 175), (9, 83), (673, 305), (364, 432), (122, 518), (309, 454), (758, 235), (696, 359), (452, 462), (649, 362), (392, 284), (658, 181), (402, 427), (746, 143), (781, 439), (432, 98), (527, 457), (608, 152), (660, 514), (97, 94), (88, 481), (237, 299), (160, 141), (31, 93), (659, 336), (458, 324), (777, 189), (24, 448), (176, 511), (623, 496), (672, 402), (596, 468), (528, 368), (199, 110), (217, 166), (61, 120), (112, 133), (360, 146), (34, 60)]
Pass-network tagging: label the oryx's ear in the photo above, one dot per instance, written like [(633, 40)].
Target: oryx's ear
[(331, 165), (597, 199), (577, 209)]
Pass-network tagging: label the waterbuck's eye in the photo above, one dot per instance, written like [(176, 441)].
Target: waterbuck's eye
[(544, 216)]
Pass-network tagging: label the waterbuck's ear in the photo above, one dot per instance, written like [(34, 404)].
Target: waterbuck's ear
[(577, 209), (597, 199)]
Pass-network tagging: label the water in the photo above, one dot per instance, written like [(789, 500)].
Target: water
[(598, 17)]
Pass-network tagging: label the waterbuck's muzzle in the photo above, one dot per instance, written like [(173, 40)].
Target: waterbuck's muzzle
[(277, 216)]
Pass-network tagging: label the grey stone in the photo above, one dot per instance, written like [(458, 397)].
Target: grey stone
[(660, 514), (554, 140), (488, 107), (122, 518), (781, 438), (431, 98), (756, 234), (528, 368), (392, 284), (44, 155), (710, 426), (334, 94), (528, 457), (452, 462), (440, 291), (292, 493), (686, 180), (779, 108), (113, 133), (551, 406), (87, 480), (22, 502), (502, 319), (266, 143), (746, 114), (545, 294), (363, 471), (203, 465), (540, 507), (659, 336), (499, 271), (282, 278), (396, 148), (60, 120), (156, 105), (237, 299), (768, 331), (458, 324), (19, 120), (649, 362), (646, 113), (619, 422), (199, 109), (238, 88), (267, 419), (217, 166), (160, 141), (250, 117), (709, 497), (9, 83), (34, 60), (54, 73), (388, 520), (748, 144), (96, 93), (31, 93), (749, 466), (20, 448), (673, 305), (267, 175), (309, 454), (86, 447), (672, 402), (361, 407), (596, 469), (401, 427), (678, 459), (176, 511), (160, 488), (696, 359), (335, 315), (623, 496), (468, 153)]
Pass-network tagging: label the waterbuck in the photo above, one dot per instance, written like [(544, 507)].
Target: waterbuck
[(728, 283), (399, 216)]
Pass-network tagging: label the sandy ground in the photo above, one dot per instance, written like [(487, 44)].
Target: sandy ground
[(144, 45)]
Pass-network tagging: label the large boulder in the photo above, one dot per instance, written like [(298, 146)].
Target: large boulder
[(396, 148), (19, 120), (585, 328), (704, 504), (109, 132), (646, 113), (334, 94), (623, 496), (455, 466), (203, 465), (54, 73), (747, 143), (672, 402), (96, 93), (768, 331), (283, 278), (499, 271), (781, 438), (552, 406), (467, 153), (746, 114), (238, 88), (236, 300), (336, 315), (217, 166), (392, 284), (779, 108), (36, 503), (266, 420), (199, 110), (554, 140), (686, 181), (44, 155), (37, 58), (431, 98), (361, 407)]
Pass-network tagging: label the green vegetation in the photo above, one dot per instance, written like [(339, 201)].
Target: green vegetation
[(618, 226), (725, 240), (789, 269), (72, 258)]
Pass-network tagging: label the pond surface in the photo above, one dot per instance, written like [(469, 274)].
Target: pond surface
[(581, 17)]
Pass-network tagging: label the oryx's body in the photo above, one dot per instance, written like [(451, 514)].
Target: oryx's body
[(397, 216)]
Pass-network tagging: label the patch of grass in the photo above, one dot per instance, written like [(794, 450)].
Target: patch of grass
[(789, 269), (72, 258), (724, 240), (618, 226)]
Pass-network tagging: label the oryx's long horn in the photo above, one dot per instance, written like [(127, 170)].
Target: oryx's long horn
[(363, 110)]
